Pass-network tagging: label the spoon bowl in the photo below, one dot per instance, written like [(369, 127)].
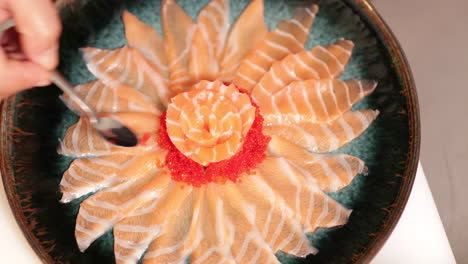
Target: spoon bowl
[(111, 129), (115, 132)]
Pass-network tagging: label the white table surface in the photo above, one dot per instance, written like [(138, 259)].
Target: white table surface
[(419, 236)]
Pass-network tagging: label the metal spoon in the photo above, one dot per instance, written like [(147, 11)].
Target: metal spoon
[(111, 129)]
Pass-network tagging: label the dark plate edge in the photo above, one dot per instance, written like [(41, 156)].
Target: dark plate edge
[(8, 181), (373, 20)]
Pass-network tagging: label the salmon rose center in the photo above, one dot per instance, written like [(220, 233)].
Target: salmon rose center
[(212, 133), (209, 123)]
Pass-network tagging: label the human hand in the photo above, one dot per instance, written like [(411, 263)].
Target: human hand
[(30, 51)]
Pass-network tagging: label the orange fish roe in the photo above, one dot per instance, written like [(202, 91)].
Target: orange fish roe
[(184, 169), (144, 139)]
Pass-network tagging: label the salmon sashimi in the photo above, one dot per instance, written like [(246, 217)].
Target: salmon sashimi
[(318, 101), (127, 65), (99, 212), (309, 204), (210, 249), (208, 40), (319, 63), (82, 140), (329, 172), (183, 233), (111, 99), (276, 221), (323, 138), (234, 126), (248, 30), (92, 174), (211, 132), (288, 37), (159, 223), (146, 39), (178, 30), (233, 236)]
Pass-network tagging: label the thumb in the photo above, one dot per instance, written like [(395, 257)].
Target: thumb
[(39, 26), (16, 75)]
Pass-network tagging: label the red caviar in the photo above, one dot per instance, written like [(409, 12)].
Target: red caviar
[(184, 169), (144, 139)]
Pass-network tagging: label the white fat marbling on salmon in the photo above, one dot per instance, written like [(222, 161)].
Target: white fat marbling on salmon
[(312, 57), (337, 61), (287, 35)]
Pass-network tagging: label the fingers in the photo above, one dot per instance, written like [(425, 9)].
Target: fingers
[(39, 26), (4, 14), (20, 75)]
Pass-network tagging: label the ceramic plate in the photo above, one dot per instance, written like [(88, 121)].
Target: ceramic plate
[(32, 123)]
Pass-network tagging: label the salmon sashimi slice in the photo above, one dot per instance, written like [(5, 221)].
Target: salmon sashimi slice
[(129, 66), (178, 30), (146, 39), (319, 63), (82, 140), (248, 30), (208, 123), (330, 173), (110, 99), (182, 233), (208, 40), (288, 37), (164, 221), (142, 165), (230, 92), (174, 244), (275, 220), (313, 207), (323, 138), (232, 237), (317, 101), (98, 213), (89, 175), (217, 237)]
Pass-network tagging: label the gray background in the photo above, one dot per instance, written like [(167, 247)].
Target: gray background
[(434, 36)]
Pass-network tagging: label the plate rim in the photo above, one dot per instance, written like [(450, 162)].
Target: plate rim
[(5, 168), (372, 19)]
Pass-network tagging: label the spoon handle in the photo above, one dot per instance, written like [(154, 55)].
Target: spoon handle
[(60, 81), (66, 87), (6, 25)]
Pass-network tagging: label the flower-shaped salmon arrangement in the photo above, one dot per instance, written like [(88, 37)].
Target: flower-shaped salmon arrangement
[(234, 127)]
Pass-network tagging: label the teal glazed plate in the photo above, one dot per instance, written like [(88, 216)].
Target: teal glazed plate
[(32, 122)]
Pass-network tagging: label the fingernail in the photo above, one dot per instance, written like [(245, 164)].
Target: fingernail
[(48, 59)]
